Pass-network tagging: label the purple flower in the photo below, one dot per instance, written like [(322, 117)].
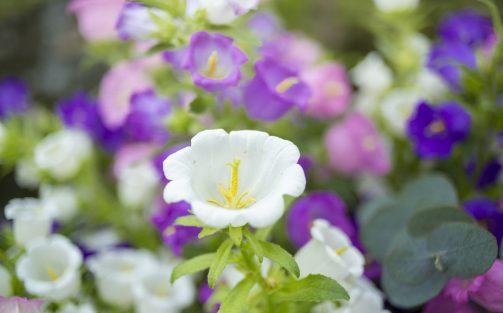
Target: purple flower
[(20, 305), (159, 160), (467, 27), (317, 205), (173, 235), (81, 112), (212, 59), (205, 293), (264, 25), (13, 96), (443, 303), (273, 91), (488, 212), (307, 163), (489, 294), (489, 174), (435, 130), (135, 22), (146, 120)]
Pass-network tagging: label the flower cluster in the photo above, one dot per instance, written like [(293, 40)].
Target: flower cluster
[(225, 163)]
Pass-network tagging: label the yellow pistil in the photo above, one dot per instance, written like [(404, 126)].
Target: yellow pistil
[(212, 65), (369, 143), (52, 273), (341, 251), (169, 231), (286, 84), (161, 291), (233, 199), (332, 89), (436, 127)]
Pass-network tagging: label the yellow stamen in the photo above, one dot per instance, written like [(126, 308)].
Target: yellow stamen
[(212, 65), (341, 251), (436, 127), (161, 291), (233, 200), (52, 273), (169, 231), (286, 84)]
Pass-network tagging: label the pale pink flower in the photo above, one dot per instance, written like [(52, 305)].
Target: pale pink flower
[(19, 305)]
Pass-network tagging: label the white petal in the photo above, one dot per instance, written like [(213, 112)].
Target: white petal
[(293, 181), (179, 165), (178, 190)]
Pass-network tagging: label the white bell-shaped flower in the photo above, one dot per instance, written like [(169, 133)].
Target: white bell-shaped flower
[(31, 219), (117, 271), (372, 75), (61, 199), (396, 5), (5, 282), (397, 107), (138, 184), (27, 174), (50, 268), (330, 253), (235, 178), (154, 293), (62, 154), (221, 12), (72, 308)]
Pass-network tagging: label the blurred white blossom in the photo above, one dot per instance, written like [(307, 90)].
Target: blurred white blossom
[(397, 107), (61, 199), (72, 308), (137, 184), (27, 174), (372, 75), (396, 5), (220, 12)]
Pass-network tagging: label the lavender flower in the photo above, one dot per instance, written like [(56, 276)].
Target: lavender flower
[(146, 121), (435, 130), (159, 159), (173, 235), (486, 211), (489, 174), (273, 91), (20, 305), (466, 26), (135, 21), (212, 59), (13, 96), (317, 205)]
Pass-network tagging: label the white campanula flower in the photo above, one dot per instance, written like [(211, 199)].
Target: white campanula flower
[(50, 268), (117, 271), (62, 154), (27, 174), (31, 219), (364, 298), (154, 293), (135, 21), (72, 308), (372, 75), (330, 253), (220, 12), (5, 282), (138, 184), (397, 107), (235, 178), (430, 86), (396, 5), (62, 200), (100, 240)]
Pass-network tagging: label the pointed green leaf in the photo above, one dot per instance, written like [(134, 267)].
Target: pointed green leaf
[(219, 262), (279, 255), (235, 301), (255, 244), (193, 265), (207, 231), (189, 220), (313, 288), (236, 234)]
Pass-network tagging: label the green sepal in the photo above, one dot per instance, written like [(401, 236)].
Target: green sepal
[(219, 262), (193, 265)]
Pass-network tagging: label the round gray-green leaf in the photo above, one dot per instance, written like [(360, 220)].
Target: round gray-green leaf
[(464, 250), (428, 192), (423, 222)]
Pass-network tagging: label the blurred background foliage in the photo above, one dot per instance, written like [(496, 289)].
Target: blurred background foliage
[(40, 42)]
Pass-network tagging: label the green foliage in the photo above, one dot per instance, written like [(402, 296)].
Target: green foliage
[(280, 256), (207, 231), (422, 238), (194, 265), (189, 220), (255, 244), (235, 301), (236, 235), (313, 288), (219, 262)]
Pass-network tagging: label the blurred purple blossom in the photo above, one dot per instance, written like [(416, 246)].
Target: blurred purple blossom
[(488, 213), (13, 97)]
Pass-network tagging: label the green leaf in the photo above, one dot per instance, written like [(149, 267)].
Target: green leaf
[(313, 288), (235, 301), (219, 262), (280, 256), (464, 250), (408, 295), (424, 222), (428, 192), (263, 233), (193, 265), (370, 209), (207, 231), (236, 235), (255, 244), (189, 220)]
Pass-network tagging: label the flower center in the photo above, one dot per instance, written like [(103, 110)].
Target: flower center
[(161, 290), (286, 84), (436, 127), (170, 231), (212, 66), (369, 143), (341, 251), (332, 89), (233, 199), (52, 273)]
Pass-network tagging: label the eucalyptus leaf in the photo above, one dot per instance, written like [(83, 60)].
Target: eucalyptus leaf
[(464, 250), (235, 301), (424, 222), (219, 262), (280, 256), (313, 288), (191, 266), (370, 209), (428, 192)]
